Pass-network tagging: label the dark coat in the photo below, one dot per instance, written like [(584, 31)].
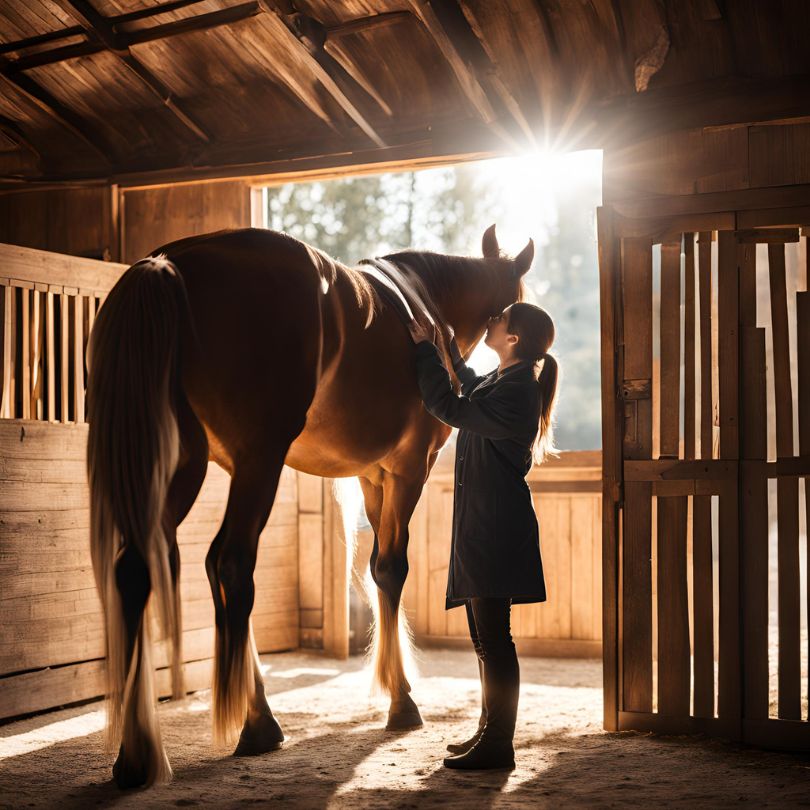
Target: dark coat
[(495, 548)]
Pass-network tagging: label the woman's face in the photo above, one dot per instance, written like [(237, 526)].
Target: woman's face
[(497, 336)]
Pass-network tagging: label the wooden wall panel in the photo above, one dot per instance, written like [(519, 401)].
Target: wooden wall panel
[(569, 623), (51, 614), (77, 221), (151, 217)]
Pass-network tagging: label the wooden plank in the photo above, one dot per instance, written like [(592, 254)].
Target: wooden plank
[(582, 590), (689, 397), (729, 687), (673, 608), (610, 316), (636, 634), (78, 358), (787, 497), (7, 407), (637, 317), (754, 526), (36, 355), (670, 328), (803, 376), (50, 356), (703, 606), (28, 264), (25, 353), (311, 560), (705, 288), (336, 579), (767, 236), (64, 333)]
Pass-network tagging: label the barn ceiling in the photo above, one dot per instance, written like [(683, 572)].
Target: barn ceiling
[(142, 89)]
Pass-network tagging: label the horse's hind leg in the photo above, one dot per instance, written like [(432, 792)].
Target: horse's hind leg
[(238, 693), (141, 759), (389, 569)]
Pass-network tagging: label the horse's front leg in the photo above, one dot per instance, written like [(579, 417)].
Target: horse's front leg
[(390, 506)]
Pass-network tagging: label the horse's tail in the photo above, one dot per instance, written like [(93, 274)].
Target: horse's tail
[(132, 454)]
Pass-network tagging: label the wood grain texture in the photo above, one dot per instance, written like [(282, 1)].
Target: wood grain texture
[(787, 497)]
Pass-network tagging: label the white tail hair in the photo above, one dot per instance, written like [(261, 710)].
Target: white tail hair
[(132, 454)]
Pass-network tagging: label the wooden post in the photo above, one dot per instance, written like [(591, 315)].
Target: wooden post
[(612, 423), (636, 619), (729, 693), (50, 355), (7, 405), (335, 578), (702, 563), (64, 333)]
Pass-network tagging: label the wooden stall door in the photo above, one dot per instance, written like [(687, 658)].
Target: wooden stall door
[(686, 470)]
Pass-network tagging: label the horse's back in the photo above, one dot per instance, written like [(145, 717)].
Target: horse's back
[(251, 348)]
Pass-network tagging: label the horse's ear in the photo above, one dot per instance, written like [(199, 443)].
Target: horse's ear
[(523, 261), (489, 244)]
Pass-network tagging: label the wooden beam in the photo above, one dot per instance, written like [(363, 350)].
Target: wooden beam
[(52, 107), (98, 26), (471, 30), (202, 22), (151, 11), (13, 131), (301, 44), (41, 39), (475, 93), (370, 23)]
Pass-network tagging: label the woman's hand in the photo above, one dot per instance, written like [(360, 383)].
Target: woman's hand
[(422, 331)]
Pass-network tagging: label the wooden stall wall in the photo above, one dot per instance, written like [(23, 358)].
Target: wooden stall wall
[(566, 493), (703, 259), (151, 217), (76, 221), (51, 642)]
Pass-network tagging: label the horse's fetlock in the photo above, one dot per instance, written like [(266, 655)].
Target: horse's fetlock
[(390, 573)]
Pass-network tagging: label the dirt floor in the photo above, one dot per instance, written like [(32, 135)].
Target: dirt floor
[(337, 754)]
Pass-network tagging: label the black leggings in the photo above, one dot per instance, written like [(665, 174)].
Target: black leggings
[(498, 664)]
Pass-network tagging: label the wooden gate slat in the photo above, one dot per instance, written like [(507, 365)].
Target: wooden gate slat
[(705, 282), (689, 403), (673, 608), (787, 497), (50, 356), (670, 329), (729, 696), (78, 358), (64, 364), (636, 628), (803, 363), (754, 538), (25, 353)]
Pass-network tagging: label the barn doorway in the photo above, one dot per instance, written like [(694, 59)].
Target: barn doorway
[(551, 198)]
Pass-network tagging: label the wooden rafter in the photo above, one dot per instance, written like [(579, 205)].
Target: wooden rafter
[(201, 22), (152, 11), (98, 26), (365, 24), (41, 39), (13, 131), (305, 48), (51, 106), (447, 33)]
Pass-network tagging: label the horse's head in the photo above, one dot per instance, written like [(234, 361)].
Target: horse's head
[(467, 292), (506, 275)]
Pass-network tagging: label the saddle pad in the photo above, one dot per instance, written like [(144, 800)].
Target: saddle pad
[(394, 288)]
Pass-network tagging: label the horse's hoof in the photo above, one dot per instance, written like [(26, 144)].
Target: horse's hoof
[(126, 775), (259, 736), (403, 714)]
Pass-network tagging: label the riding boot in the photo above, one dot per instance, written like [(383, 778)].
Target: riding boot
[(462, 748), (494, 747)]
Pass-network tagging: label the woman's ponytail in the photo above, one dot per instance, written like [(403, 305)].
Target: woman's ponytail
[(543, 446), (535, 328)]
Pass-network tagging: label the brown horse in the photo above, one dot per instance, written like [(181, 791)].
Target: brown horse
[(253, 349)]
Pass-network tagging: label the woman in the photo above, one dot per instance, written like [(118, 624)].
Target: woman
[(504, 419)]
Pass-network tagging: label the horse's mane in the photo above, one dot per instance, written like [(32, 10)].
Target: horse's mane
[(440, 275)]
